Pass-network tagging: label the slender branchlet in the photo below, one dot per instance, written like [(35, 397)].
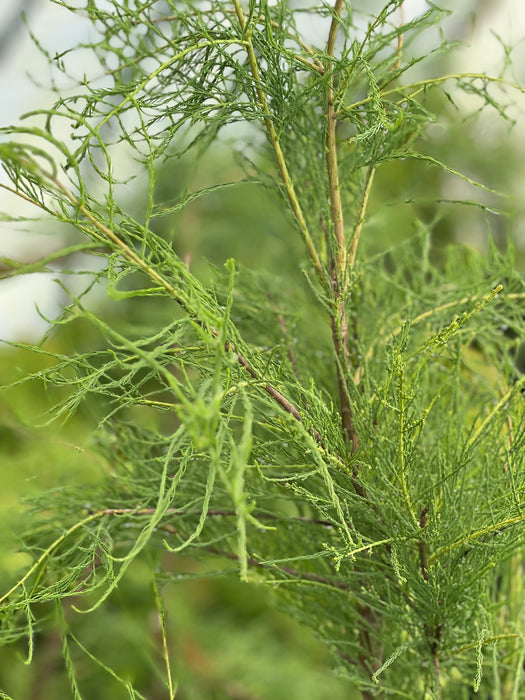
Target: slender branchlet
[(399, 53)]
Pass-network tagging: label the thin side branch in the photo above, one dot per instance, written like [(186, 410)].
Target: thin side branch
[(399, 52), (252, 561), (133, 257), (360, 218)]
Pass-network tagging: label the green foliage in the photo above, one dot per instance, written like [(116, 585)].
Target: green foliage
[(341, 422)]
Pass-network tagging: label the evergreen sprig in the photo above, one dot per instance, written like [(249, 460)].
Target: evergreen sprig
[(368, 465)]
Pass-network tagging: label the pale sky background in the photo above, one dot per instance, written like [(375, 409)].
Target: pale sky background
[(59, 29)]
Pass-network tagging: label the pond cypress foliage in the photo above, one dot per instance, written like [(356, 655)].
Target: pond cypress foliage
[(340, 418)]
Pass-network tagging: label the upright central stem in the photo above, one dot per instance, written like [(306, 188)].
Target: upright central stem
[(339, 275), (336, 209)]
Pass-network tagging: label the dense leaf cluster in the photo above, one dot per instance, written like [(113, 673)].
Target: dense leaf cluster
[(352, 436)]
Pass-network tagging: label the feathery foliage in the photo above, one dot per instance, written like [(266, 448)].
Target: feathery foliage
[(342, 421)]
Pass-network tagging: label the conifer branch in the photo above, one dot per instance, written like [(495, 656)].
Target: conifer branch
[(380, 499), (314, 65), (130, 255), (421, 85), (276, 146)]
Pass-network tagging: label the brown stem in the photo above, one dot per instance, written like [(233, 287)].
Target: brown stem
[(276, 395), (399, 52), (338, 339), (436, 636), (367, 695), (438, 676), (334, 190), (252, 561), (339, 323), (339, 276), (423, 553), (212, 513)]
